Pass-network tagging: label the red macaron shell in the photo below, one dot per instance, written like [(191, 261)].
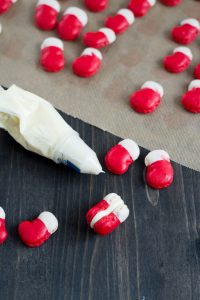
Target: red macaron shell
[(191, 100), (106, 224), (145, 101), (69, 28), (117, 23), (95, 39), (45, 17), (52, 59), (139, 7), (34, 233), (5, 5), (102, 205), (159, 174), (86, 65), (184, 34), (197, 72), (171, 2), (97, 5), (3, 231), (176, 63), (118, 160)]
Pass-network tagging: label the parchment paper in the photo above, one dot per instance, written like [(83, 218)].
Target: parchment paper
[(104, 99)]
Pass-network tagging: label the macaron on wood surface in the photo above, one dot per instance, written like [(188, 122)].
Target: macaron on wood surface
[(46, 14), (159, 171), (121, 21), (108, 214), (121, 156), (35, 233)]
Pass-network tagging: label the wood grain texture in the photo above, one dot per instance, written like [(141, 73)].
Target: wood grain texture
[(154, 255)]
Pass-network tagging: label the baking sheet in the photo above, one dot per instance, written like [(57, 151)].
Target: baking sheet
[(104, 100)]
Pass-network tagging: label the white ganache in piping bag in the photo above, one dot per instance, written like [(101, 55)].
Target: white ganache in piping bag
[(37, 126)]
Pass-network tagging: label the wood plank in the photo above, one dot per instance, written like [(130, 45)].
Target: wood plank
[(154, 255)]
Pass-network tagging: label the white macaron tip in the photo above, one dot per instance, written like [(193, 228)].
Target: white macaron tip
[(92, 51), (127, 14), (49, 220), (51, 3), (131, 147), (193, 22), (152, 2), (155, 156), (184, 50), (194, 84), (2, 213), (154, 86), (79, 13), (122, 213), (112, 198), (52, 42), (109, 33)]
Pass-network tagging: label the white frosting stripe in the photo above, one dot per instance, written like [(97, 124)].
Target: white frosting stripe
[(52, 42), (2, 213), (156, 155), (49, 220), (109, 33), (52, 3), (77, 12), (127, 14), (194, 84), (131, 147), (192, 22), (154, 86), (92, 51), (185, 50)]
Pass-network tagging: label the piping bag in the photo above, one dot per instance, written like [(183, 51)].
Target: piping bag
[(38, 127)]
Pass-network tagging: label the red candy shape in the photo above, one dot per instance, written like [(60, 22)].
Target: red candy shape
[(121, 156), (121, 21), (5, 5), (52, 55), (72, 23), (197, 72), (187, 32), (177, 62), (159, 171), (191, 99), (171, 2), (148, 98), (46, 14), (140, 7), (3, 231), (97, 5), (160, 174), (99, 39), (108, 214), (35, 233), (88, 63), (118, 159)]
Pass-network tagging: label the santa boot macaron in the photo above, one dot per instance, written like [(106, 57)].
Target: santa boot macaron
[(178, 61), (52, 55), (46, 14), (5, 5), (147, 98), (108, 214), (3, 231), (191, 99), (96, 5), (159, 171), (187, 32), (121, 156), (121, 21), (100, 38), (35, 233), (141, 7), (72, 23), (171, 2), (88, 64)]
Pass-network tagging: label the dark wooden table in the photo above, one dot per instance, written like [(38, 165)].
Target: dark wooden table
[(154, 255)]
